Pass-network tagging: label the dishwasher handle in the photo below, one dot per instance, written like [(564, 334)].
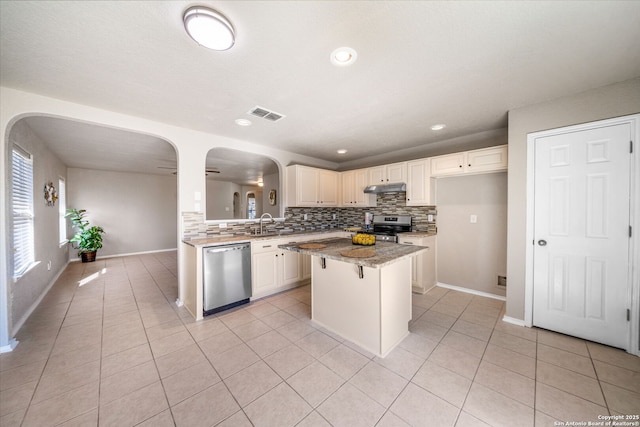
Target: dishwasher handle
[(227, 249)]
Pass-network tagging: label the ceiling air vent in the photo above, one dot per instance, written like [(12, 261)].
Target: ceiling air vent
[(266, 114)]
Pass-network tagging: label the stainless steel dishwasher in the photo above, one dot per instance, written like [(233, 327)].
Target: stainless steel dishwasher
[(227, 276)]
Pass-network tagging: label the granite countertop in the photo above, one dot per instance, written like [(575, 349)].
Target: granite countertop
[(385, 253), (224, 239)]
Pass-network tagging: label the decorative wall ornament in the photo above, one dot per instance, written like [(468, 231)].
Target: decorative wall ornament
[(50, 194), (272, 197)]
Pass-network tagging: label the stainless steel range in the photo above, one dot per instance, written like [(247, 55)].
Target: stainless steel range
[(387, 227)]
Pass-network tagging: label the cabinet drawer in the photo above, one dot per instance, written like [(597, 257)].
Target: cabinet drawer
[(266, 246)]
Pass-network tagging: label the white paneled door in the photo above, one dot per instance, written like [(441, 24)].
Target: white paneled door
[(581, 233)]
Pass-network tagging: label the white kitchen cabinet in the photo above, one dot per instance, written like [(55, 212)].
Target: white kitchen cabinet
[(274, 269), (423, 265), (492, 159), (307, 186), (420, 185), (388, 174), (327, 187), (353, 184), (265, 266)]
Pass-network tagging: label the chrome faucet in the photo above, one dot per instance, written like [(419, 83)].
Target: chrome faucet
[(262, 217)]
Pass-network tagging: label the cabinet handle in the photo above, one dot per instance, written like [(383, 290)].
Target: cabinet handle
[(469, 164), (460, 165)]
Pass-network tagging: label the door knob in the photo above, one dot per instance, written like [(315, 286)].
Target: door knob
[(542, 242)]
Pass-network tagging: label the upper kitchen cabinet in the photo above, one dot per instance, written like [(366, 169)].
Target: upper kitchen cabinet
[(307, 186), (493, 159), (353, 184), (388, 174), (420, 185)]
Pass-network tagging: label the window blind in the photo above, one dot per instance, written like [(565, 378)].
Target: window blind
[(22, 207)]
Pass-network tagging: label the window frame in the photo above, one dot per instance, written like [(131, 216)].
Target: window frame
[(22, 212)]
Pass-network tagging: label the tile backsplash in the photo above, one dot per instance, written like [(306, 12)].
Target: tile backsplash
[(194, 225)]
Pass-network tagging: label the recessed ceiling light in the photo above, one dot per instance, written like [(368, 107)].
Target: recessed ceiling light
[(209, 28), (439, 126), (343, 56), (243, 122), (342, 151)]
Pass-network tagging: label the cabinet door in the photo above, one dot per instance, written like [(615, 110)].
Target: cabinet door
[(451, 164), (348, 188), (429, 273), (307, 188), (376, 175), (361, 179), (327, 187), (487, 159), (418, 183), (416, 262), (305, 266), (396, 172), (264, 267), (290, 266)]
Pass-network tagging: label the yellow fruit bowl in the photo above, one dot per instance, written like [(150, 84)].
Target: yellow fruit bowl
[(363, 239)]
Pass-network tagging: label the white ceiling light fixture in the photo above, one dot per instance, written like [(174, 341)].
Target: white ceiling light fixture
[(439, 126), (343, 56), (243, 122), (342, 151), (209, 28)]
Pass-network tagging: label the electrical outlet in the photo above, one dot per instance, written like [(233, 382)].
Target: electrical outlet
[(334, 216), (304, 217), (502, 281), (222, 225), (430, 218), (473, 219)]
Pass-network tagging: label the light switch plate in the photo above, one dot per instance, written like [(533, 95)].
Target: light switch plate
[(473, 219)]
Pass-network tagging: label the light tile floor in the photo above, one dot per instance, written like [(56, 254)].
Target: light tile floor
[(109, 347)]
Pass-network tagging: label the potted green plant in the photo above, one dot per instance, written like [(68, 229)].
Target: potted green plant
[(88, 238)]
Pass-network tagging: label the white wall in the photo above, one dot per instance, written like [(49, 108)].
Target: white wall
[(23, 294), (472, 255), (220, 199), (137, 211), (271, 183), (610, 101)]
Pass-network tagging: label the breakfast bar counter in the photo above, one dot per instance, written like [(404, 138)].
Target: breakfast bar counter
[(362, 293)]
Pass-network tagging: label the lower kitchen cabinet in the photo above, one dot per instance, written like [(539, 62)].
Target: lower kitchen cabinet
[(423, 266), (274, 270)]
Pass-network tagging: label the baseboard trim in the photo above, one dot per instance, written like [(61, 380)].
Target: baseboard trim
[(13, 343), (128, 254), (471, 291), (513, 321), (33, 306)]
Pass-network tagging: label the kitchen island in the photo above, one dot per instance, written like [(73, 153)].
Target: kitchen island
[(362, 293)]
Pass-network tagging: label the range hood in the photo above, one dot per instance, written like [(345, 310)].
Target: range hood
[(386, 188)]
